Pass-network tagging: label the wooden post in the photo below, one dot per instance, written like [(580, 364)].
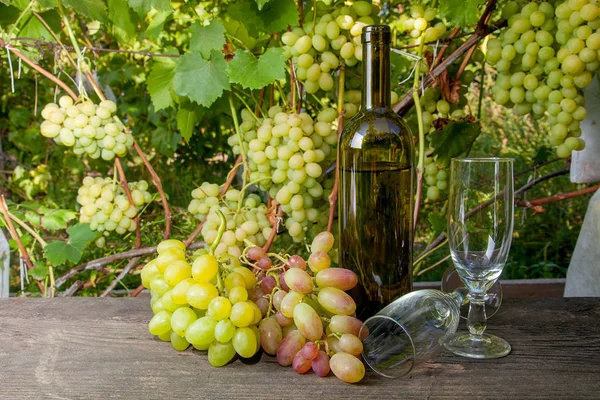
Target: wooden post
[(4, 265)]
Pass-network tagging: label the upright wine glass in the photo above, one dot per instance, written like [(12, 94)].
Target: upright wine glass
[(480, 227)]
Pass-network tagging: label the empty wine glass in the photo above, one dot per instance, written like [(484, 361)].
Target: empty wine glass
[(409, 330), (480, 227)]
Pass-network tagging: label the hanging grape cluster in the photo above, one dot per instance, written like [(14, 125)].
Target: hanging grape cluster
[(319, 46), (87, 127), (287, 153), (106, 207), (545, 58)]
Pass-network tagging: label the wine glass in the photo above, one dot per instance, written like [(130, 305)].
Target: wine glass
[(409, 330), (480, 227)]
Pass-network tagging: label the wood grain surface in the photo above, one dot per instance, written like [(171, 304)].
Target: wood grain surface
[(90, 348)]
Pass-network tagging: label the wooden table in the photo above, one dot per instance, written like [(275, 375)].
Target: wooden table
[(100, 349)]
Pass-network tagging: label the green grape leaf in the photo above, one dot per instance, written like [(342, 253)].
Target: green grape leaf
[(20, 4), (141, 7), (460, 12), (453, 140), (160, 81), (94, 9), (261, 3), (26, 240), (8, 15), (255, 73), (207, 38), (48, 3), (203, 81), (278, 15), (35, 29), (240, 32), (57, 219), (80, 235), (543, 154), (437, 222), (246, 12), (275, 16), (39, 272), (156, 24), (165, 142), (59, 252), (187, 118), (124, 24)]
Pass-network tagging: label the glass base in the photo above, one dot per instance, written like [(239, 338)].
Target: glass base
[(478, 346)]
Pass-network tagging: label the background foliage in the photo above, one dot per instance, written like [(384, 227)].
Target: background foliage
[(171, 67)]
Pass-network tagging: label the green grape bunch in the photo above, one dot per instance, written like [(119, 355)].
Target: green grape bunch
[(106, 207), (320, 46), (287, 153), (203, 303), (545, 57), (86, 127)]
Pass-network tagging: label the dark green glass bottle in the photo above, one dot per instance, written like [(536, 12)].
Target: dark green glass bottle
[(376, 153)]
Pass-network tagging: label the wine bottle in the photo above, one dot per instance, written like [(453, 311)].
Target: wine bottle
[(375, 192)]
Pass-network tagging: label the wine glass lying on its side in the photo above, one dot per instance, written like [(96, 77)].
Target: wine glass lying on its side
[(410, 330)]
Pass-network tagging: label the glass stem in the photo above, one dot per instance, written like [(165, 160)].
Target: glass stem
[(477, 321)]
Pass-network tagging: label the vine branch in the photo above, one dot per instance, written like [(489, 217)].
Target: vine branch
[(482, 30), (39, 69), (120, 277), (16, 237), (98, 263)]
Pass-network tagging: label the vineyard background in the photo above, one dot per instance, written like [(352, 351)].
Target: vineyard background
[(187, 143)]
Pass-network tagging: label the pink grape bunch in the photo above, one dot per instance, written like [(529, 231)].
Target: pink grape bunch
[(310, 321)]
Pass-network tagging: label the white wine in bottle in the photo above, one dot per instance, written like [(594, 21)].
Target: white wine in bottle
[(376, 153)]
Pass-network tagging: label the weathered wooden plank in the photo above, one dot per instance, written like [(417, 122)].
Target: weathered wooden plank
[(100, 348)]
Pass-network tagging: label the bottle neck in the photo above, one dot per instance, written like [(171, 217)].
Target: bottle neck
[(376, 92)]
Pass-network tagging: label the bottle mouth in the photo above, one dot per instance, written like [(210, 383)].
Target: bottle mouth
[(381, 34)]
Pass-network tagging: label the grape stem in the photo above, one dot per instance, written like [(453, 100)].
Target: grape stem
[(17, 238), (421, 161), (274, 228), (222, 226), (275, 290), (161, 192), (242, 149), (536, 204), (31, 231), (333, 197), (125, 186)]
